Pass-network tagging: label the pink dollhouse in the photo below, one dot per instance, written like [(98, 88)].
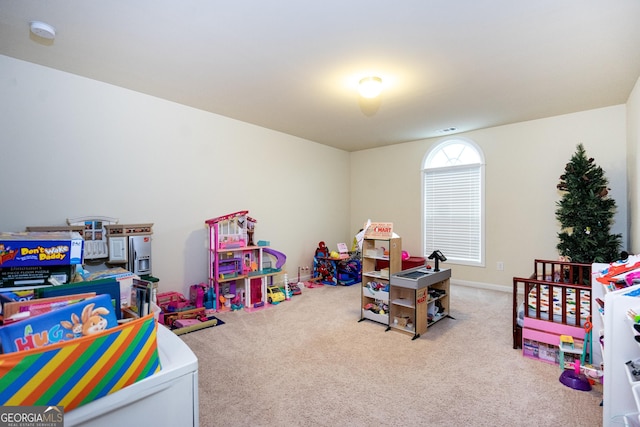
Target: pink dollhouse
[(238, 268)]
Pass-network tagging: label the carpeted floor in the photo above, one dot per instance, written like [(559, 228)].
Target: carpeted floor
[(309, 362)]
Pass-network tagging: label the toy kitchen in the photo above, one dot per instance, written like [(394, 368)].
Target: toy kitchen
[(130, 244), (421, 296)]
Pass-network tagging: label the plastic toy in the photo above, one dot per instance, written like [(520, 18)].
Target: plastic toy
[(173, 301), (274, 295), (322, 250), (281, 259), (197, 294), (236, 261), (287, 289), (574, 379), (405, 255), (196, 313), (295, 288), (349, 271)]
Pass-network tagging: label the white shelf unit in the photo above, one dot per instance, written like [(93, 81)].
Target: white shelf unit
[(372, 251), (621, 405)]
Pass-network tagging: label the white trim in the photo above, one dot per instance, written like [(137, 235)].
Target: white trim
[(482, 171), (107, 219), (482, 285)]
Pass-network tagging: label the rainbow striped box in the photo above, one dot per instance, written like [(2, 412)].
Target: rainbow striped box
[(73, 373)]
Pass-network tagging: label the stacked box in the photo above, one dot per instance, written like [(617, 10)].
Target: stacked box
[(32, 258), (13, 277), (29, 249)]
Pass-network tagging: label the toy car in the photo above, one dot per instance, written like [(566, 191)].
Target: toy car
[(274, 295), (295, 289)]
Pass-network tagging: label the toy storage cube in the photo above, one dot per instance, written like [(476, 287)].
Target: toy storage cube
[(76, 372)]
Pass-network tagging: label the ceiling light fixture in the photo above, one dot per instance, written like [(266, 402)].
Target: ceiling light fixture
[(43, 30), (370, 87)]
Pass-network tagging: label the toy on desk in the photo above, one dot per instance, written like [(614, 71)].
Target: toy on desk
[(437, 256), (322, 250)]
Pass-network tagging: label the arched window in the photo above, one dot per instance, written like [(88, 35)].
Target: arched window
[(453, 201)]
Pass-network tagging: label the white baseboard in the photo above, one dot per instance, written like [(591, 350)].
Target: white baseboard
[(481, 285), (478, 285)]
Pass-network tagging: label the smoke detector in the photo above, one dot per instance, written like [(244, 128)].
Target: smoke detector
[(43, 30)]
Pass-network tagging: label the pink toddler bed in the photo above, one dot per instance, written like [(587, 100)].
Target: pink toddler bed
[(555, 300)]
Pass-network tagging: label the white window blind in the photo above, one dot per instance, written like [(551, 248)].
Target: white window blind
[(453, 212)]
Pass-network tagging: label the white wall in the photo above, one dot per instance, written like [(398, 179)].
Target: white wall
[(633, 166), (73, 147), (524, 163)]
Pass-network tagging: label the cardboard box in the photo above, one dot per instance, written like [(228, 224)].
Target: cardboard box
[(28, 249), (28, 276)]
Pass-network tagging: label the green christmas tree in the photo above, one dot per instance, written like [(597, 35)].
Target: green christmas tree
[(586, 213)]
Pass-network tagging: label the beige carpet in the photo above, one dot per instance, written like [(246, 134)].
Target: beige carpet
[(309, 362)]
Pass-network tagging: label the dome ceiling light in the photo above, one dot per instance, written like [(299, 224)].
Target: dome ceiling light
[(43, 30), (370, 87)]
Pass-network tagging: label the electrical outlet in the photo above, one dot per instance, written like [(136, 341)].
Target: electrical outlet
[(500, 266)]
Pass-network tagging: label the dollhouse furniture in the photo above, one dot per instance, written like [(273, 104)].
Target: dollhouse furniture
[(617, 286), (237, 266), (555, 300), (95, 234)]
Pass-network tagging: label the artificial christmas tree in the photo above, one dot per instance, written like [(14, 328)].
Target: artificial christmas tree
[(586, 213)]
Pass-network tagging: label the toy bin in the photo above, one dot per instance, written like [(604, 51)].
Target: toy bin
[(411, 262), (74, 373)]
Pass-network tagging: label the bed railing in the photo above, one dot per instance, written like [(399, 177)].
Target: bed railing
[(556, 275)]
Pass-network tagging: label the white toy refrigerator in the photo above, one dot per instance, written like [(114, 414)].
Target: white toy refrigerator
[(167, 398)]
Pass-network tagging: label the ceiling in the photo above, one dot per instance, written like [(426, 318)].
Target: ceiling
[(293, 66)]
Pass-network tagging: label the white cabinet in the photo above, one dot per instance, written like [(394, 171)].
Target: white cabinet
[(117, 249), (620, 407), (614, 309)]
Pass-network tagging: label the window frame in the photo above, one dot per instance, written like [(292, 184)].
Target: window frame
[(428, 157)]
